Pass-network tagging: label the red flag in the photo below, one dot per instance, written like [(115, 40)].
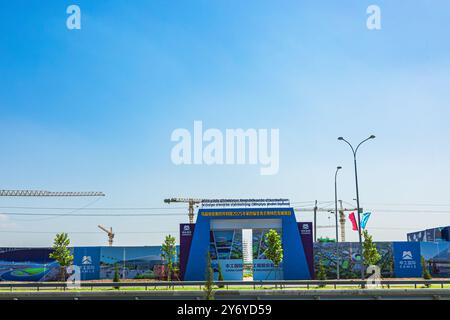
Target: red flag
[(352, 218)]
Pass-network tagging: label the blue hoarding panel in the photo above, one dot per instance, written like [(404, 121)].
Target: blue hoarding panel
[(407, 260), (131, 262), (437, 258), (27, 264), (88, 260)]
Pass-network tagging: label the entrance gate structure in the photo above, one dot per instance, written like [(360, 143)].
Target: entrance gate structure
[(219, 232)]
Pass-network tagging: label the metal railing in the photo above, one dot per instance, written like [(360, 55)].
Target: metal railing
[(170, 285)]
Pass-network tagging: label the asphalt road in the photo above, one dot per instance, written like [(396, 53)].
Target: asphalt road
[(357, 294)]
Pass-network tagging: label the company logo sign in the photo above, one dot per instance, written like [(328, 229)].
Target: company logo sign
[(407, 261), (186, 230), (305, 229), (86, 260), (407, 255)]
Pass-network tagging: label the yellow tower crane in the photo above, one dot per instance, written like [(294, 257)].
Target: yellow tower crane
[(44, 193), (316, 209), (110, 234), (190, 201)]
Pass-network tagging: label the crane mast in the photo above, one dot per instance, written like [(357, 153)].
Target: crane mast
[(342, 221)]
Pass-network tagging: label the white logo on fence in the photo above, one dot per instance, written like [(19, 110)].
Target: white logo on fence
[(86, 260), (235, 146), (407, 261), (407, 255)]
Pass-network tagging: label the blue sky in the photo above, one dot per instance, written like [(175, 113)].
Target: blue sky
[(93, 109)]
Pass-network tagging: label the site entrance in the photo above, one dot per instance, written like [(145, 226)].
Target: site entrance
[(236, 242), (237, 247), (247, 255)]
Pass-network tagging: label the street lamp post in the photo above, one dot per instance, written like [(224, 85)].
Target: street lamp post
[(336, 218), (357, 195)]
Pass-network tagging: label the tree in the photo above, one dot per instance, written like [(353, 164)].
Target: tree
[(61, 253), (321, 273), (425, 272), (274, 251), (168, 252), (220, 277), (176, 272), (116, 275), (370, 252), (209, 279)]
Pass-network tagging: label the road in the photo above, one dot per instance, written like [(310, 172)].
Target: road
[(286, 294)]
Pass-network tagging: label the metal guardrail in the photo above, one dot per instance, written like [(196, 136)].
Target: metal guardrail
[(172, 284)]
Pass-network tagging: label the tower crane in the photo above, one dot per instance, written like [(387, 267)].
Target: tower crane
[(190, 201), (44, 193), (110, 234)]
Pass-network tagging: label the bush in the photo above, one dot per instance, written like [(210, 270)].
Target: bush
[(220, 278), (209, 279), (425, 272), (321, 273), (116, 276)]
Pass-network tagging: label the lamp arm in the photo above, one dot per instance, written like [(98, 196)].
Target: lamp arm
[(353, 150), (361, 144)]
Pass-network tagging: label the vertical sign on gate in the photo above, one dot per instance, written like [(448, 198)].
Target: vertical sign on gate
[(306, 234), (186, 233)]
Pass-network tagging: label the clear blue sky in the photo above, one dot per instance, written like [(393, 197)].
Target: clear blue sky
[(93, 109)]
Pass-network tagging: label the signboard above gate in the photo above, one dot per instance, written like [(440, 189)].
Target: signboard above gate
[(245, 203)]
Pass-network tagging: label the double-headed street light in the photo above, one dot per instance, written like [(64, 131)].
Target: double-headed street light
[(336, 216), (357, 196)]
